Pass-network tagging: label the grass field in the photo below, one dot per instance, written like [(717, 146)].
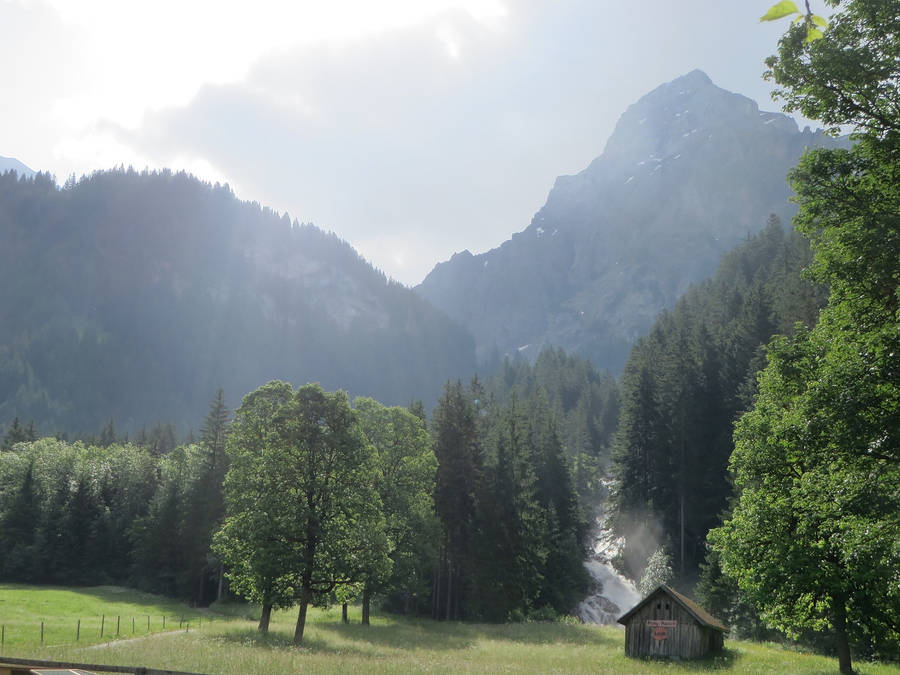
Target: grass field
[(229, 644), (23, 608)]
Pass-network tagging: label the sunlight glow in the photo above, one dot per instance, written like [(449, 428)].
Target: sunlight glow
[(450, 42), (144, 57), (151, 55)]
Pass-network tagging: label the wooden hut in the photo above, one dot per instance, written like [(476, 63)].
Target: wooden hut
[(669, 625)]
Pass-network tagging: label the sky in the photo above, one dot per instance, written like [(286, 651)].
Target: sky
[(413, 129)]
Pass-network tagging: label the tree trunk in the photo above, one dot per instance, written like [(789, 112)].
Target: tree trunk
[(449, 587), (344, 618), (366, 599), (436, 592), (681, 485), (840, 634), (221, 576), (198, 590), (264, 618), (681, 518), (301, 620)]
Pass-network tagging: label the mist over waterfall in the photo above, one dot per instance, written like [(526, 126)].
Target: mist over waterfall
[(611, 593)]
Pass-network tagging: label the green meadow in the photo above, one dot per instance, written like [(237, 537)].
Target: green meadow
[(226, 641), (108, 608)]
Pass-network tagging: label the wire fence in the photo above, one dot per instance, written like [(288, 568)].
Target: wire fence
[(93, 630)]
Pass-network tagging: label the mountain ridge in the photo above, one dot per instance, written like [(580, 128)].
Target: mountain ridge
[(689, 171), (134, 296), (13, 164)]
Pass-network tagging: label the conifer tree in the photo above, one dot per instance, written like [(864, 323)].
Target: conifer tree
[(18, 434), (107, 434), (565, 579), (205, 502), (460, 468), (18, 525), (512, 528), (686, 383)]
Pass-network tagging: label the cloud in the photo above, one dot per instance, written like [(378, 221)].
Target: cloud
[(418, 141), (397, 134), (41, 63)]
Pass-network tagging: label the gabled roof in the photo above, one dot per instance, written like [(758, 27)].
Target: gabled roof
[(703, 617)]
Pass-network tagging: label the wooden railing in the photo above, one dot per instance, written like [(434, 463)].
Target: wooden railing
[(17, 664)]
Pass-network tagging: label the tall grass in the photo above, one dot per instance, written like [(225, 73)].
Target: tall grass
[(231, 645)]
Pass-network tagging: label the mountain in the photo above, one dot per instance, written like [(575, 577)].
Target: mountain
[(12, 164), (690, 171), (134, 296)]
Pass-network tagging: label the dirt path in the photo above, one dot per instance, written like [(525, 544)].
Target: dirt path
[(112, 643)]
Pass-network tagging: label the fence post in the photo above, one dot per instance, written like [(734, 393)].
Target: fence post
[(42, 633), (102, 623), (148, 623), (118, 622), (181, 622), (132, 625), (164, 621), (3, 636), (78, 631)]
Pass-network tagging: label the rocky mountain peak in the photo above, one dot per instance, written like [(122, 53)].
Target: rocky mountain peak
[(690, 170), (687, 115)]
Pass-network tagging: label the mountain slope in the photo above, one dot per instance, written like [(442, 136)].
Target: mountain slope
[(12, 164), (689, 172), (134, 296)]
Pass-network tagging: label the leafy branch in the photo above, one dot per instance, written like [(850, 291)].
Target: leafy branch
[(815, 24)]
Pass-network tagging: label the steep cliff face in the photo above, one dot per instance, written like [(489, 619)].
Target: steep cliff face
[(690, 171)]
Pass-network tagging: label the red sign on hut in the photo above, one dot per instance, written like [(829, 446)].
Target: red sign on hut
[(660, 627)]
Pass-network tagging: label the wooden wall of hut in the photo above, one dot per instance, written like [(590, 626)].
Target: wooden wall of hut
[(665, 629)]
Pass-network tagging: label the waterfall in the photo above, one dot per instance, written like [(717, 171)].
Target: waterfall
[(611, 594), (610, 597)]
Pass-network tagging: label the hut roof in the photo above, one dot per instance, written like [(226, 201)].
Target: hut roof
[(695, 610)]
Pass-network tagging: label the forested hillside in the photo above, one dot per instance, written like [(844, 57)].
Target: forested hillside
[(135, 296), (583, 403), (689, 172), (687, 382), (512, 534)]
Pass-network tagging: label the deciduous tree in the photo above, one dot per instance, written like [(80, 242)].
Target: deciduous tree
[(407, 468), (815, 537), (304, 510)]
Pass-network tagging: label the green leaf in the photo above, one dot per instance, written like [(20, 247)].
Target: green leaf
[(819, 21), (798, 19), (780, 10), (813, 34)]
